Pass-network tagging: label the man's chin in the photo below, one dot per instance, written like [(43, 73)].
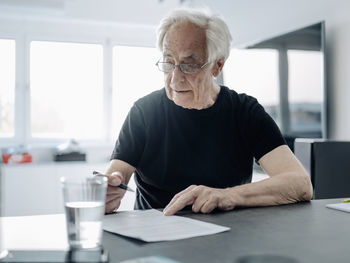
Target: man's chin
[(183, 104), (181, 100)]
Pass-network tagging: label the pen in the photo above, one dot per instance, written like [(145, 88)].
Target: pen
[(346, 201), (122, 186)]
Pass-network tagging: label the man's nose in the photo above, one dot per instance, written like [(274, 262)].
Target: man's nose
[(177, 75)]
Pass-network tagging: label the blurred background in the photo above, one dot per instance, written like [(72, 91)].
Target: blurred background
[(71, 69)]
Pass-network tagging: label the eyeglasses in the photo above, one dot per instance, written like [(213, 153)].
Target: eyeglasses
[(168, 67)]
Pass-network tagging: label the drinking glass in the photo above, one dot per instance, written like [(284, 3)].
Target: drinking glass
[(84, 202)]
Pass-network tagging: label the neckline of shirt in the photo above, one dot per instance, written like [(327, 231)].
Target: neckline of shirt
[(210, 109)]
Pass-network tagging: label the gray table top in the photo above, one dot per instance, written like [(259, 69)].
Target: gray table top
[(306, 232)]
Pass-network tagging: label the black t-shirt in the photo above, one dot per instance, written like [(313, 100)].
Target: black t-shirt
[(172, 147)]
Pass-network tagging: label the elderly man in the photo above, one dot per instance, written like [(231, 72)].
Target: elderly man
[(193, 142)]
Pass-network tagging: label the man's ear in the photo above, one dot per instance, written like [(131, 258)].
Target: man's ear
[(217, 67)]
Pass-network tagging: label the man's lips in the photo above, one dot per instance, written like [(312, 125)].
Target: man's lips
[(181, 91)]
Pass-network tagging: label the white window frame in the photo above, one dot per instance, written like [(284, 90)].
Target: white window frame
[(17, 96), (23, 31), (22, 124)]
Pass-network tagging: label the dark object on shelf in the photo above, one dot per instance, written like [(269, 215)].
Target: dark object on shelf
[(68, 152), (70, 157)]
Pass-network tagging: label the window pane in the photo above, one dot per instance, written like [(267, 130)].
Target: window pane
[(66, 90), (7, 87), (255, 72), (305, 92), (135, 75)]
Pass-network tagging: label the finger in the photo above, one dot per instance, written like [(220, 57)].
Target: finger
[(204, 196), (209, 206), (178, 195), (118, 196), (113, 198), (115, 179), (184, 200), (225, 205), (199, 202), (112, 201), (115, 190), (111, 205)]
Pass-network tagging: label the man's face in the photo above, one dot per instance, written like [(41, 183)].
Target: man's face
[(186, 43)]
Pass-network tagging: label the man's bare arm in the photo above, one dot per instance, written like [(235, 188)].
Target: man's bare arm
[(288, 183)]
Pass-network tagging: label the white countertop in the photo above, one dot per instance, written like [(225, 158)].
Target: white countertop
[(44, 232)]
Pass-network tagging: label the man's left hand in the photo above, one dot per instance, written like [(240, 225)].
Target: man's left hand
[(202, 198)]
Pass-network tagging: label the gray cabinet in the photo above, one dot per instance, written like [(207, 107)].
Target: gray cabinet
[(34, 189), (328, 165)]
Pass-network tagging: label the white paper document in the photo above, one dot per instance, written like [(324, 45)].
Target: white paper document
[(152, 226), (345, 207)]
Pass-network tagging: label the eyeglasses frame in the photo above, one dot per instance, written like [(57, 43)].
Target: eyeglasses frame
[(179, 65)]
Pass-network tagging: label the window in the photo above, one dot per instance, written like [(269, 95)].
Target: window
[(134, 76), (305, 74), (66, 85), (7, 87), (64, 89), (257, 72), (260, 63)]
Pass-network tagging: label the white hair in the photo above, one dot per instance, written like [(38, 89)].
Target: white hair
[(217, 33)]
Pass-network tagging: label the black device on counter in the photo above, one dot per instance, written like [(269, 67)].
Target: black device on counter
[(50, 256)]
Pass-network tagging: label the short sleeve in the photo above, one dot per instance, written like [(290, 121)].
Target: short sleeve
[(131, 140), (262, 132)]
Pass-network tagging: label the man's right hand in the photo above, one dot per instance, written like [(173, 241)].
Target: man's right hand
[(114, 193), (117, 172)]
